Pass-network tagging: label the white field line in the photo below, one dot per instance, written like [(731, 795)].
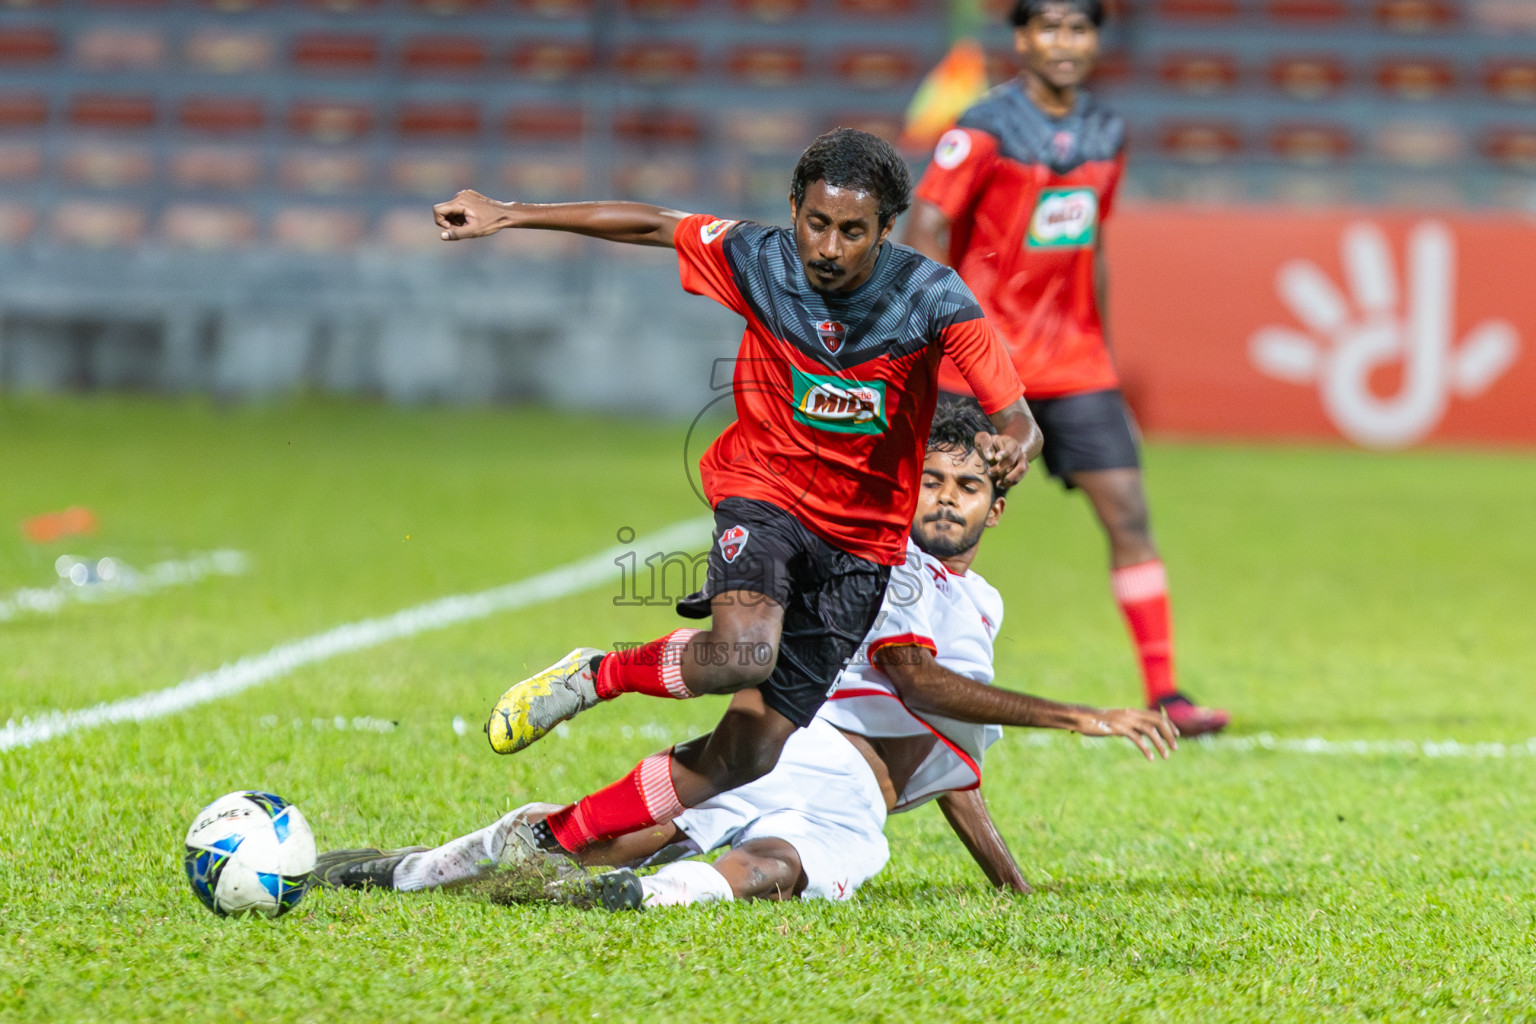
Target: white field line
[(354, 636)]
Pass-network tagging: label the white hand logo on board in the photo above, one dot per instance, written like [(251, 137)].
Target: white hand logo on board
[(1375, 327)]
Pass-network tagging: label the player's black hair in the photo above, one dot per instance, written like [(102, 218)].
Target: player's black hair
[(849, 158), (956, 422), (1024, 10)]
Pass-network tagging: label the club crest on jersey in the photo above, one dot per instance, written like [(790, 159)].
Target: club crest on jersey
[(714, 229), (838, 404), (952, 149), (732, 542), (831, 334), (1064, 218)]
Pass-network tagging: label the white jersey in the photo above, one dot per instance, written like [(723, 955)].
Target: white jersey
[(955, 616)]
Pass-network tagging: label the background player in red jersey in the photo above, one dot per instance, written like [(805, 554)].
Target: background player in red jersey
[(813, 485), (1015, 200)]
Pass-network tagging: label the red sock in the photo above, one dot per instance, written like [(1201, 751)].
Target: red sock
[(655, 668), (644, 797), (1142, 592)]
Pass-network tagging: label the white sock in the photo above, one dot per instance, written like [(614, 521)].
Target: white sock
[(687, 881), (463, 859)]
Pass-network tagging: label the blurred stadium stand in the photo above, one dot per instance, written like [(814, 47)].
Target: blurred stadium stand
[(237, 190)]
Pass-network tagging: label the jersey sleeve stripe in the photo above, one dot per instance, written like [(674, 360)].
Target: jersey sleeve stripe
[(902, 640)]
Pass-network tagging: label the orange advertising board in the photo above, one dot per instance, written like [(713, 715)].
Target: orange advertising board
[(1387, 329)]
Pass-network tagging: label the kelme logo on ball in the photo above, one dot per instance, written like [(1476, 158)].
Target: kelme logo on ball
[(714, 229), (840, 405), (1064, 218)]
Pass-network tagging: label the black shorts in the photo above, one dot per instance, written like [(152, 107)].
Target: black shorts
[(1083, 432), (830, 598)]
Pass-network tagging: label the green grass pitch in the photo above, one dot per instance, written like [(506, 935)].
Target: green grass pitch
[(1318, 592)]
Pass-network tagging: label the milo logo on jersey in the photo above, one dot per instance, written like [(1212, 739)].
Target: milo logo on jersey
[(1064, 218), (840, 405)]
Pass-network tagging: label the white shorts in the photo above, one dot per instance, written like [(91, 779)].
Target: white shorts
[(821, 798)]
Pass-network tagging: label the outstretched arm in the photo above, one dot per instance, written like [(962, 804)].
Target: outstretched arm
[(928, 231), (926, 686), (967, 814), (472, 215)]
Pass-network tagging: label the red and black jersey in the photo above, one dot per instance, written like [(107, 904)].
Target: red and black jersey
[(835, 393), (1025, 195)]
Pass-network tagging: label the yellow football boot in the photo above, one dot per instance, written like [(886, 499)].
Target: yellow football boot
[(527, 712)]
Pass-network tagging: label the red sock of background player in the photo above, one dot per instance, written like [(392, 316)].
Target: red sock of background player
[(1142, 593), (654, 668), (644, 797)]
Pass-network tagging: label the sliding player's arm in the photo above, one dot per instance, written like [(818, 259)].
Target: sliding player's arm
[(966, 813), (927, 687), (472, 215)]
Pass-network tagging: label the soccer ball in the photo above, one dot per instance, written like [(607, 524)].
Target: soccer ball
[(250, 851)]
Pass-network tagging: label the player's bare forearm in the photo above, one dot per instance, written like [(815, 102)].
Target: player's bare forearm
[(928, 231), (927, 687), (1101, 288), (1017, 422), (472, 215), (967, 814)]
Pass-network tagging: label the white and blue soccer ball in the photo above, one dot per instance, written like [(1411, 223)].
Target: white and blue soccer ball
[(250, 851)]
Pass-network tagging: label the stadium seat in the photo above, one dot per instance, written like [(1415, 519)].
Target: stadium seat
[(317, 229), (1415, 17), (448, 8), (887, 126), (323, 172), (542, 180), (1201, 142), (652, 180), (659, 63), (445, 55), (229, 6), (1512, 147), (121, 112), (216, 167), (771, 10), (228, 51), (771, 132), (1308, 77), (1002, 64), (98, 225), (767, 67), (876, 8), (206, 226), (1198, 74), (660, 10), (22, 110), (341, 6), (1512, 79), (322, 53), (20, 161), (100, 166), (878, 69), (330, 120), (1504, 17), (544, 123), (1418, 143), (1310, 144), (1415, 78), (555, 8), (119, 49), (16, 223), (552, 60), (658, 127), (1304, 14), (1115, 68), (1195, 10), (25, 46), (412, 227), (222, 115), (444, 120), (433, 175)]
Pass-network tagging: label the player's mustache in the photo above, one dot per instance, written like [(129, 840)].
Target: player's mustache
[(946, 515), (825, 266)]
